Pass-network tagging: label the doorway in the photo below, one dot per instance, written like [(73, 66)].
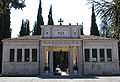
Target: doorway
[(60, 62)]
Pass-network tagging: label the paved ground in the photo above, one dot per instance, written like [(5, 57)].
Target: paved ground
[(62, 79)]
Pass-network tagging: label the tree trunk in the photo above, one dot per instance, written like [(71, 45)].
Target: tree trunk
[(0, 56)]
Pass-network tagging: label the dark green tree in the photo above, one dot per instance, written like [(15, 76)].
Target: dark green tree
[(27, 27), (82, 29), (23, 29), (50, 19), (5, 6), (39, 19), (5, 32), (36, 29), (1, 29), (94, 28), (110, 10)]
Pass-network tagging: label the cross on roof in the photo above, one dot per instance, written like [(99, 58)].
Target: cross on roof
[(60, 21)]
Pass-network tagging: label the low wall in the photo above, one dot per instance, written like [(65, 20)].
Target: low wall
[(20, 68), (101, 68)]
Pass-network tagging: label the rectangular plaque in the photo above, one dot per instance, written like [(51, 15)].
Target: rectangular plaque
[(60, 33)]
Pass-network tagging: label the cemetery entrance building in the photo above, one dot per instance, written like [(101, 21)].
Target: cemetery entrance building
[(60, 48)]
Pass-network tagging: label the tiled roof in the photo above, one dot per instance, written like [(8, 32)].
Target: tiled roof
[(92, 37), (33, 37), (60, 26), (37, 37)]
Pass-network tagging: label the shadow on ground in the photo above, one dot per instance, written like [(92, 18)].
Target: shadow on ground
[(68, 77)]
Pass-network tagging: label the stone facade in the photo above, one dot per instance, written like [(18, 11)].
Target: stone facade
[(60, 36), (101, 67)]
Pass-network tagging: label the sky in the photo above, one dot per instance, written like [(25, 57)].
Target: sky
[(70, 11)]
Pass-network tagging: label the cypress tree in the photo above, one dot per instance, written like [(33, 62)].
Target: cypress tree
[(82, 29), (7, 33), (22, 31), (94, 28), (27, 27), (5, 30), (50, 19), (1, 37), (1, 29), (39, 19), (36, 29)]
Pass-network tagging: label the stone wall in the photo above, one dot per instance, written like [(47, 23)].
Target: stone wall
[(20, 68), (101, 67)]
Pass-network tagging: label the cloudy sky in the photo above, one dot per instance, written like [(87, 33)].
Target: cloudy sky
[(71, 11)]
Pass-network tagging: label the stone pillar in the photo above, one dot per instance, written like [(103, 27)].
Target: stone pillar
[(71, 61), (79, 60), (98, 55), (90, 54), (23, 57), (30, 54), (51, 61), (15, 55), (42, 59), (105, 54)]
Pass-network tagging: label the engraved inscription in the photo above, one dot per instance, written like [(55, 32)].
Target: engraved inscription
[(60, 33)]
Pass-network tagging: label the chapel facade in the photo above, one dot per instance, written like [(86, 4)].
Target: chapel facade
[(63, 47)]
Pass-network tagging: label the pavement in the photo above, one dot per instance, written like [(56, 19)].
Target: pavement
[(62, 79)]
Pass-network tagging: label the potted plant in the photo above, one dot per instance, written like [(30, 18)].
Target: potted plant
[(75, 69), (46, 69)]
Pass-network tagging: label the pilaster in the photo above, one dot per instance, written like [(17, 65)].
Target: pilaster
[(42, 59), (30, 54), (98, 55), (23, 57), (15, 55), (105, 55), (51, 61), (90, 54), (79, 60), (71, 61)]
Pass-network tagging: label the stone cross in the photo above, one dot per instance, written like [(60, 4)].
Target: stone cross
[(60, 21)]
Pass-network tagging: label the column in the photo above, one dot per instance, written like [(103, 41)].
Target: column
[(105, 55), (42, 59), (79, 60), (90, 54), (71, 61), (23, 55), (51, 61), (98, 56), (30, 54), (15, 55)]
